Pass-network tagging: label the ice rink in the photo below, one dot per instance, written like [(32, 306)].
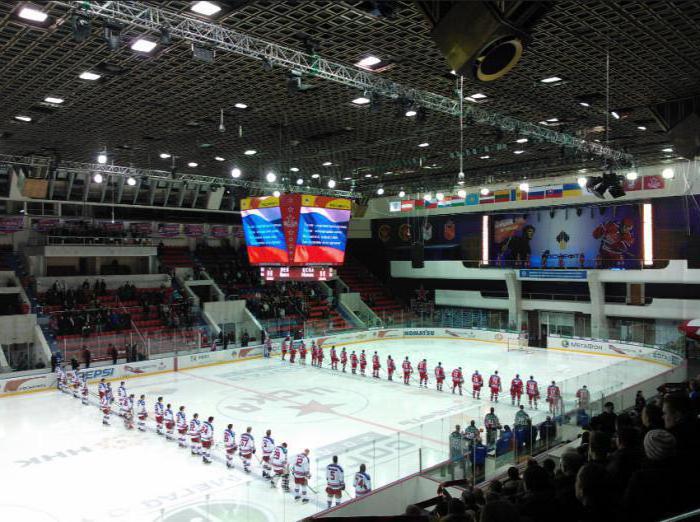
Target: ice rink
[(61, 464)]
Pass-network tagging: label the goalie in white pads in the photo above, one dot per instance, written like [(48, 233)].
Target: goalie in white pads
[(268, 446), (229, 445), (246, 448), (280, 467), (335, 481), (181, 423), (301, 473), (207, 434)]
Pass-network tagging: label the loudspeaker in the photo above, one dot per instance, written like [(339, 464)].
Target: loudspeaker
[(477, 41), (685, 137), (417, 255)]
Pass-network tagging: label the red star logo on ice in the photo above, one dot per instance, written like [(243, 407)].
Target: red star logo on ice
[(314, 407)]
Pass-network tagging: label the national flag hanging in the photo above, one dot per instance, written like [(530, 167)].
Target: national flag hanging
[(407, 205), (502, 196), (535, 193), (488, 198), (553, 191), (571, 190), (653, 182)]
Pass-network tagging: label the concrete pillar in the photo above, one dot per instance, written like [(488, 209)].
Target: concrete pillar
[(599, 322), (515, 299)]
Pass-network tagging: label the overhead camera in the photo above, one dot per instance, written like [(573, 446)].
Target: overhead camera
[(609, 182)]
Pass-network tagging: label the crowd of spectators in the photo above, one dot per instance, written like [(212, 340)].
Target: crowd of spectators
[(94, 233), (637, 466)]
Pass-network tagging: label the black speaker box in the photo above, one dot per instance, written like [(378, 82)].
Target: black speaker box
[(685, 137), (417, 255)]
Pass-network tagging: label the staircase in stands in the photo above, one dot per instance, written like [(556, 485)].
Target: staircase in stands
[(361, 280)]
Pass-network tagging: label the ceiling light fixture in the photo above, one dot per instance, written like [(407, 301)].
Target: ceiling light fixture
[(23, 118), (331, 183), (300, 181), (271, 177), (484, 157), (250, 152), (97, 178), (143, 46), (584, 104), (90, 76), (484, 191), (551, 79), (205, 8), (552, 120), (102, 158), (615, 115), (130, 181), (462, 193), (193, 164), (521, 140), (641, 128), (631, 175), (380, 191), (424, 144), (294, 169), (327, 163), (667, 149), (315, 176), (361, 101), (410, 113), (33, 15), (368, 175), (236, 172), (524, 186), (54, 100), (219, 158), (518, 151), (368, 61), (240, 106), (402, 193), (164, 155), (667, 173)]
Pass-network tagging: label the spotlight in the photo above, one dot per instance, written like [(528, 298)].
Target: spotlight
[(236, 172), (102, 158), (300, 181), (380, 191), (130, 181), (33, 15), (439, 196), (462, 193), (484, 191), (631, 175), (165, 38), (111, 32), (143, 45), (54, 99), (97, 178), (615, 115), (23, 118), (402, 193), (667, 173), (327, 163), (524, 187), (271, 177), (80, 24), (240, 105), (315, 176), (427, 196), (205, 8), (582, 182), (276, 193), (331, 183)]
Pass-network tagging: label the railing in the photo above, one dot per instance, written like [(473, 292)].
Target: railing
[(91, 240)]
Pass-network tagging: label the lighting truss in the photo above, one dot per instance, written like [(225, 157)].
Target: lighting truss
[(117, 171), (151, 18)]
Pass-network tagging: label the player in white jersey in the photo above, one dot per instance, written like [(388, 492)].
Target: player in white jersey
[(335, 481), (141, 413), (121, 397), (84, 390), (106, 410), (128, 409), (229, 445), (268, 446), (246, 448), (102, 388), (362, 482), (75, 383), (109, 394), (181, 423), (159, 410), (280, 467), (195, 440), (169, 420), (302, 474), (207, 434), (60, 378)]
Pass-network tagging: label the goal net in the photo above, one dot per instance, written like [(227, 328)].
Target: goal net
[(518, 343)]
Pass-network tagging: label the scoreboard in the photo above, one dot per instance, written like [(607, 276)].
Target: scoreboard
[(298, 273)]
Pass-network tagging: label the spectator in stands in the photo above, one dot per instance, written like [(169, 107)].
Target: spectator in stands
[(550, 467), (499, 511), (639, 402), (680, 422), (87, 356), (74, 364), (537, 502), (113, 353), (54, 361), (513, 485), (599, 448), (606, 420), (548, 431), (652, 417), (626, 459), (594, 493), (565, 482), (245, 339)]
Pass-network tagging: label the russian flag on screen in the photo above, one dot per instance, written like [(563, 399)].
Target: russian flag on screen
[(322, 235), (264, 236)]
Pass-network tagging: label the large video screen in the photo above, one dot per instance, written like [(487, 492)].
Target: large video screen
[(263, 231), (594, 237), (323, 231), (296, 230)]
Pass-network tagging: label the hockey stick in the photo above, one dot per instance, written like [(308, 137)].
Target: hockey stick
[(311, 489)]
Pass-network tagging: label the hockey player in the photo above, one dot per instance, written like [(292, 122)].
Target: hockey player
[(314, 353), (516, 389), (229, 445), (375, 365), (128, 409), (280, 467), (207, 434), (302, 352), (553, 397), (353, 363), (457, 380), (106, 409), (292, 352), (390, 368), (362, 482), (301, 473), (109, 394), (423, 374), (343, 358), (492, 425), (246, 448), (495, 386), (169, 420), (60, 378), (334, 358), (141, 413), (195, 438), (533, 392), (285, 347), (181, 422), (335, 482), (158, 410), (407, 370), (522, 419), (583, 397), (121, 397), (472, 433), (477, 384), (102, 388), (268, 446), (75, 383), (84, 390), (319, 357), (267, 346), (363, 363), (439, 376)]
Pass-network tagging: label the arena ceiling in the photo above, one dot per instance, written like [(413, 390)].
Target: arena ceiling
[(169, 102)]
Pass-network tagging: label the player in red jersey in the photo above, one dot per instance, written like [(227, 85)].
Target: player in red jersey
[(477, 384), (407, 370), (375, 366), (334, 358), (319, 357), (516, 389), (553, 397), (344, 359), (390, 367), (439, 376), (495, 386), (302, 352), (533, 392), (353, 363), (363, 363), (292, 352), (285, 347), (457, 380), (423, 373)]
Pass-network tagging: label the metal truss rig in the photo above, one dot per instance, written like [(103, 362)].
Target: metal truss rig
[(152, 18), (117, 171)]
